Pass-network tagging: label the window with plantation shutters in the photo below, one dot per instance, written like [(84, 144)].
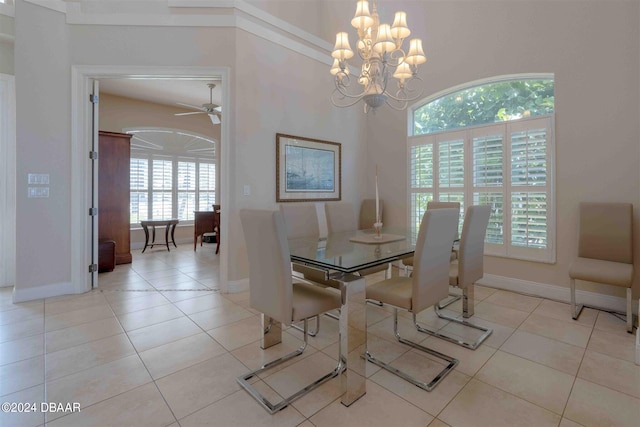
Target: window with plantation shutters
[(172, 174), (507, 166)]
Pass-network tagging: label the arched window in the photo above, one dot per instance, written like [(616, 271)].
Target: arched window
[(490, 142), (172, 174)]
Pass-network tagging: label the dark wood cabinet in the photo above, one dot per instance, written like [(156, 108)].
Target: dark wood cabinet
[(113, 192)]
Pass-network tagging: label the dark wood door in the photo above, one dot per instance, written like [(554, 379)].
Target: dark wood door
[(113, 192)]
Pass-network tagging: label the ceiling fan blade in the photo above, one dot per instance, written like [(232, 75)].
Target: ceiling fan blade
[(188, 114), (195, 107), (214, 119)]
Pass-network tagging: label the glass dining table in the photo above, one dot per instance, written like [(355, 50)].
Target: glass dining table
[(340, 256)]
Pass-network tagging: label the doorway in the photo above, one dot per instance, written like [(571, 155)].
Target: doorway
[(83, 78)]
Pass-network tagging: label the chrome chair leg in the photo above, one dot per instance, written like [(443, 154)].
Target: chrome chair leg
[(263, 401), (331, 315), (575, 310), (629, 312), (468, 302), (448, 302), (311, 334), (415, 381), (470, 345)]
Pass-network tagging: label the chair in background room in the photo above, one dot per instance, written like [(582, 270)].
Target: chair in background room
[(203, 222), (605, 250), (341, 217), (428, 285), (216, 220), (280, 299), (465, 271)]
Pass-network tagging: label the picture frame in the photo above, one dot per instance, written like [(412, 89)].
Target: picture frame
[(307, 169)]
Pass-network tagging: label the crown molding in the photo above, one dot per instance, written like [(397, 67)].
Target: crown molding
[(222, 13)]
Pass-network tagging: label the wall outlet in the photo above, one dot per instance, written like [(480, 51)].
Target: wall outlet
[(38, 192)]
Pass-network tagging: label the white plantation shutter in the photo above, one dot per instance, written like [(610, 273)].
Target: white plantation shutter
[(507, 166), (139, 190), (495, 229), (206, 186), (421, 180), (162, 175), (487, 161), (161, 194), (451, 170), (530, 201), (186, 190), (451, 164), (488, 176), (529, 157)]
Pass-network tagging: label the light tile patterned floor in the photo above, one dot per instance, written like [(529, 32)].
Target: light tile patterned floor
[(158, 345)]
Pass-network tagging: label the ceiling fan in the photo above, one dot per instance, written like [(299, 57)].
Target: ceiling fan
[(213, 110)]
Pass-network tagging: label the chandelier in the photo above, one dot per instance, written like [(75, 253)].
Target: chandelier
[(380, 48)]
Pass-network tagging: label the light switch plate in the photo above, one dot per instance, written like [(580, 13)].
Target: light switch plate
[(39, 179), (247, 190)]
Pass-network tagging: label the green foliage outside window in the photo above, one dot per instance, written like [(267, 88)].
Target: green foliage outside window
[(489, 103)]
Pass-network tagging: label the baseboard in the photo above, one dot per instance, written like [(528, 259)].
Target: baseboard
[(557, 293), (43, 291), (236, 286)]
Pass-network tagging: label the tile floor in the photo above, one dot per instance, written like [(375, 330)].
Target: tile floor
[(158, 345)]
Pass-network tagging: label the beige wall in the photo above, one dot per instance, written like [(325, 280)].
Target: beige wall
[(46, 48), (289, 94), (276, 90), (597, 104), (42, 69), (118, 113), (592, 47)]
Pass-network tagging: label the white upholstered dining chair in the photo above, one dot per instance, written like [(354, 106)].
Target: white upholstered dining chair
[(605, 250), (464, 272), (277, 296), (340, 218), (428, 285), (408, 262)]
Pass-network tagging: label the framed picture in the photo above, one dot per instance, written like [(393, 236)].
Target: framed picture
[(307, 169)]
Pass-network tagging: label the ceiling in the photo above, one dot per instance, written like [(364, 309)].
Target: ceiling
[(163, 91)]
